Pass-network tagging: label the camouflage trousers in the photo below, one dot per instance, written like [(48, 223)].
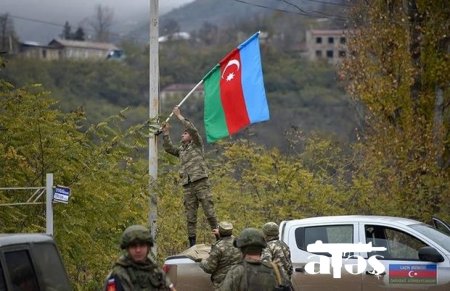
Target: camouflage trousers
[(196, 193)]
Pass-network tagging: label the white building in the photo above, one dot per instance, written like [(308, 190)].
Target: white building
[(326, 44)]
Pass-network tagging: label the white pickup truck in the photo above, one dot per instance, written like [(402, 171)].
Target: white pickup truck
[(379, 253)]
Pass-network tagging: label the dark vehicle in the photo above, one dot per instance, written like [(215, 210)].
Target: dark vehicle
[(31, 262)]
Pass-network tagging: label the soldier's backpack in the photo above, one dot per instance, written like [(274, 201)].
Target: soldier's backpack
[(258, 277), (261, 277)]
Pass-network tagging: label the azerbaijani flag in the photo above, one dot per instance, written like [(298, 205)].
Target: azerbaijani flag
[(412, 273), (234, 92)]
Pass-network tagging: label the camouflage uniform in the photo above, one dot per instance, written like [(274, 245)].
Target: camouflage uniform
[(128, 275), (194, 177), (131, 276), (223, 255), (276, 251), (253, 274)]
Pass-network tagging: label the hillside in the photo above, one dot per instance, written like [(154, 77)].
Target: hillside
[(231, 13), (304, 97)]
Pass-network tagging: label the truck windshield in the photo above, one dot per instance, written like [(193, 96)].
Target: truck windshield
[(442, 239)]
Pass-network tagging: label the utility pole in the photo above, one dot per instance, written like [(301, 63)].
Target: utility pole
[(153, 104)]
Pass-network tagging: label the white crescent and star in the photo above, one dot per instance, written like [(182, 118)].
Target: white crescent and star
[(230, 63), (412, 274)]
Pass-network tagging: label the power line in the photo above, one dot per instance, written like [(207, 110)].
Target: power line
[(300, 12), (270, 8), (295, 5), (63, 25), (329, 3), (313, 11), (36, 20)]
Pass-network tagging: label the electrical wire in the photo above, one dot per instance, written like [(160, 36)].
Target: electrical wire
[(329, 3), (294, 5), (314, 11), (35, 20), (299, 12), (270, 8), (63, 25)]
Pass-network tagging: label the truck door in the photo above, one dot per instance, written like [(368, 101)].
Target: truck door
[(404, 269), (300, 237)]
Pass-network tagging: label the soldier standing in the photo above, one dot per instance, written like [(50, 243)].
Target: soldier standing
[(193, 174), (223, 255), (277, 251), (253, 273), (135, 270)]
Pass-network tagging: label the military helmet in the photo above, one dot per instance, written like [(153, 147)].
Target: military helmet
[(225, 228), (250, 237), (270, 229), (136, 233)]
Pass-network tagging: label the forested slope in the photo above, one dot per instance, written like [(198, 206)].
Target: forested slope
[(301, 95)]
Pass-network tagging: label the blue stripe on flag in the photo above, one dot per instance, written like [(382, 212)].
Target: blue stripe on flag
[(408, 267), (252, 80)]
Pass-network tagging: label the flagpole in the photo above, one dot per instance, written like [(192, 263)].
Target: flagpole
[(184, 99)]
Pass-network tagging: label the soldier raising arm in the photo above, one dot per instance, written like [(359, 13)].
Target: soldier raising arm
[(223, 255), (193, 174)]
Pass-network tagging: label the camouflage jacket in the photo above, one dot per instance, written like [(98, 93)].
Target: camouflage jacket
[(251, 275), (222, 257), (192, 162), (131, 276), (278, 252)]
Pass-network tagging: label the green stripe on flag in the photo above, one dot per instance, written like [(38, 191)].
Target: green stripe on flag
[(215, 123)]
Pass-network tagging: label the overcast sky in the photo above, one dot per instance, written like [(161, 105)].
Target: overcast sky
[(74, 11), (77, 7)]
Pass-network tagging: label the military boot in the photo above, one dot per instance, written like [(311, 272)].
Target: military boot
[(192, 240)]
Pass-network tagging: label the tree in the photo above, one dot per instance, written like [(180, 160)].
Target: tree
[(101, 164), (394, 68), (79, 34), (102, 22), (67, 31)]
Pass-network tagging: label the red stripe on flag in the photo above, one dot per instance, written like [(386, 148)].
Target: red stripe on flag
[(412, 274), (231, 92)]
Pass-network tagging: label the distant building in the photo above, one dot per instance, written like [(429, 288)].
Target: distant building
[(326, 44), (34, 50), (73, 49), (59, 49), (179, 90)]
